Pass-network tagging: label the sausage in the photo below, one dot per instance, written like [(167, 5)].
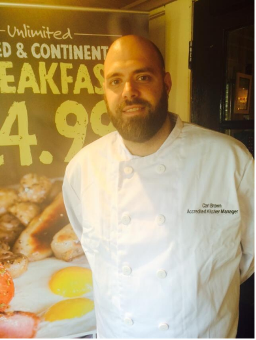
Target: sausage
[(35, 240)]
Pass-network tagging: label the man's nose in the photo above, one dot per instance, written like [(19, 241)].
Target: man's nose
[(130, 90)]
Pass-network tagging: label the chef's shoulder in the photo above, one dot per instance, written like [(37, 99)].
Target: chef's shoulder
[(206, 140), (91, 155)]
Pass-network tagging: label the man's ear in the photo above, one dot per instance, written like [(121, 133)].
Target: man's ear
[(167, 82)]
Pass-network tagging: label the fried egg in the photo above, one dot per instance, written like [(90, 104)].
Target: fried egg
[(69, 309), (71, 281), (60, 293)]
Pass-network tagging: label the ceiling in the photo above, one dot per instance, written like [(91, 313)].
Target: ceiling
[(137, 5)]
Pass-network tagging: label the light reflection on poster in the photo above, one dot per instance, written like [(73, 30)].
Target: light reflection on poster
[(51, 99)]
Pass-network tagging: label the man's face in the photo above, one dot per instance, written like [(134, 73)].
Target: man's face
[(136, 91)]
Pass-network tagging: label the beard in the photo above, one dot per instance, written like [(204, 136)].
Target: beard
[(140, 128)]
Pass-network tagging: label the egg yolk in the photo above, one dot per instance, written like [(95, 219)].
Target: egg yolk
[(71, 281), (69, 309)]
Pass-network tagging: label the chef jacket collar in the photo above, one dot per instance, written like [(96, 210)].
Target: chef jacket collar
[(175, 119)]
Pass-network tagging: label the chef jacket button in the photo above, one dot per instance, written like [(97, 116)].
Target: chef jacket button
[(161, 274), (160, 219), (160, 169), (128, 321), (163, 326), (126, 219), (128, 170), (127, 270)]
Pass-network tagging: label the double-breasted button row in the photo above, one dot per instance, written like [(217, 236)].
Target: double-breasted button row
[(159, 220)]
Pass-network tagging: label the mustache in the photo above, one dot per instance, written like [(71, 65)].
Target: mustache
[(134, 102)]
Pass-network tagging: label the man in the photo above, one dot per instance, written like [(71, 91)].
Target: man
[(163, 210)]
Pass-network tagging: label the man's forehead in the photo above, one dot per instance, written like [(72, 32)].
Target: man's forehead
[(126, 55), (120, 69)]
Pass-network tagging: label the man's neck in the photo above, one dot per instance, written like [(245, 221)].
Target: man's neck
[(152, 145)]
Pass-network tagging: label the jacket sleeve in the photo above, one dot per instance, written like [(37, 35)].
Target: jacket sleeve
[(246, 203), (73, 207)]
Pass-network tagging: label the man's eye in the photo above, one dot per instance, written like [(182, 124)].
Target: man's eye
[(144, 78), (115, 82)]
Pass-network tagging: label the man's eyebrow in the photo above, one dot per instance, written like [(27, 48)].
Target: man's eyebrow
[(144, 69), (140, 70), (115, 74)]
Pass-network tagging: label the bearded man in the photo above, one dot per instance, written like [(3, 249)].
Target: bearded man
[(163, 209)]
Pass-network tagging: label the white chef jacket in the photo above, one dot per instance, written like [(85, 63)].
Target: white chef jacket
[(165, 262)]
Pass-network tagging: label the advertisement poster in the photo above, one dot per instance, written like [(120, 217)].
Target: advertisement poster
[(51, 105)]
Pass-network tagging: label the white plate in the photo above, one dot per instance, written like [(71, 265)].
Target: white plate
[(32, 294)]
